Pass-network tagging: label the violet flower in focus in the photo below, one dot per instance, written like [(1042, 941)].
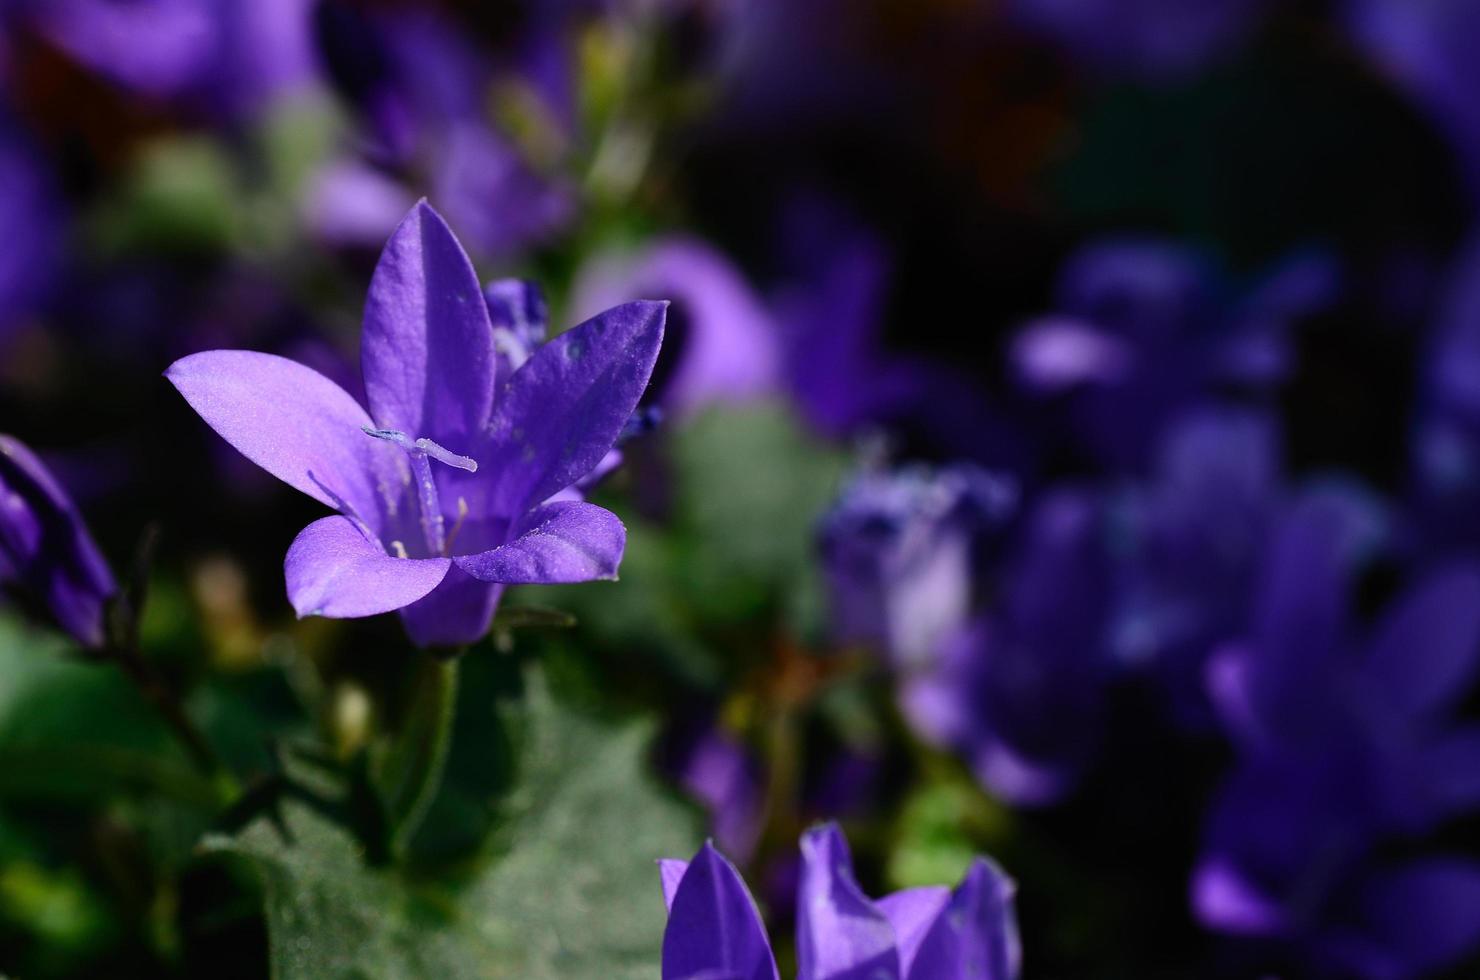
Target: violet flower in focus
[(1347, 747), (443, 487), (898, 550), (930, 933), (1020, 691), (46, 551)]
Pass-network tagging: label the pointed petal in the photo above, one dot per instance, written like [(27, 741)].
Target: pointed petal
[(562, 411), (567, 541), (1427, 649), (427, 346), (47, 548), (714, 929), (912, 913), (977, 935), (456, 613), (841, 935), (334, 570), (294, 423), (671, 871)]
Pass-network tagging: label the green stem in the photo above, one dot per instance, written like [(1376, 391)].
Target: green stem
[(418, 755)]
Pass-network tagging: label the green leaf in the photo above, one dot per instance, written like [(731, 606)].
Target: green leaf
[(572, 894)]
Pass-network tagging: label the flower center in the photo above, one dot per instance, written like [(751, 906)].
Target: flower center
[(421, 452)]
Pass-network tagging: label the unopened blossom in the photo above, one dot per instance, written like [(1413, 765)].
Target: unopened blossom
[(1349, 755), (930, 933), (46, 551), (444, 481)]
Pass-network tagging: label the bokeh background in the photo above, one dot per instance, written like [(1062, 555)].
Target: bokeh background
[(1066, 447)]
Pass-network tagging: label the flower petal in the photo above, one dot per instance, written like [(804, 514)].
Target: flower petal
[(912, 913), (714, 929), (567, 541), (977, 935), (562, 411), (427, 346), (46, 547), (1427, 649), (457, 612), (296, 424), (334, 570), (671, 871), (841, 934), (1422, 916)]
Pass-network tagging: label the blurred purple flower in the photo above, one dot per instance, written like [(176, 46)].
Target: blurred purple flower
[(229, 56), (1145, 328), (31, 210), (722, 774), (1429, 51), (1020, 691), (898, 550), (439, 545), (46, 551), (1345, 745), (421, 89), (721, 343), (1196, 532), (839, 371), (1148, 38), (1446, 440), (931, 933)]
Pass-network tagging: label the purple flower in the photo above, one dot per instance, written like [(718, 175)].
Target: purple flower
[(1195, 535), (30, 206), (841, 374), (899, 548), (1141, 37), (1346, 746), (1428, 50), (932, 933), (1020, 690), (443, 487), (1446, 443), (421, 89), (1144, 329), (233, 56), (720, 772), (721, 341), (46, 551)]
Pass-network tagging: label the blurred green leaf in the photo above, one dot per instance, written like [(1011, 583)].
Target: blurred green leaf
[(181, 197), (574, 893), (751, 486)]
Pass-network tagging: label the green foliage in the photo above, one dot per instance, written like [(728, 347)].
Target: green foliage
[(568, 890)]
